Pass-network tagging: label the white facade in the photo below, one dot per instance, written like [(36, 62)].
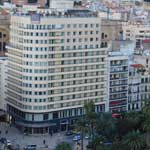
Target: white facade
[(134, 95), (55, 65), (136, 32), (3, 67), (144, 59), (61, 4), (118, 82), (145, 87)]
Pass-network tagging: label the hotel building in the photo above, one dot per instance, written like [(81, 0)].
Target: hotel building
[(55, 65)]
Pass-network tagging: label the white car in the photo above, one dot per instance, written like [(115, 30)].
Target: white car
[(9, 142), (86, 137)]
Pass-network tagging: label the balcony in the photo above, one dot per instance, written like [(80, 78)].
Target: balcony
[(118, 71), (120, 64), (119, 78), (118, 103), (120, 84), (118, 98), (122, 91)]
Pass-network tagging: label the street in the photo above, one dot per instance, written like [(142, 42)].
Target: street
[(18, 138)]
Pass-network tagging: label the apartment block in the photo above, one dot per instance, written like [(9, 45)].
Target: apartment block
[(3, 76), (145, 87), (4, 30), (137, 32), (134, 90), (118, 81), (55, 64), (29, 2)]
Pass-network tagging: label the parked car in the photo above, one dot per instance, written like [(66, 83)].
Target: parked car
[(68, 133), (86, 137), (108, 143), (30, 147), (8, 142), (76, 137), (3, 140)]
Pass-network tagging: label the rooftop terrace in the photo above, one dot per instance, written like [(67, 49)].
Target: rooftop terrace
[(58, 14)]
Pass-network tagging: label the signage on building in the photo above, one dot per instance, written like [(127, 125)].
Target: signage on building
[(35, 18)]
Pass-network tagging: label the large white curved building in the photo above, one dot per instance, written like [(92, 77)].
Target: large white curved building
[(56, 63)]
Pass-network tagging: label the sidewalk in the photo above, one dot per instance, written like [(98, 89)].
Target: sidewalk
[(18, 138)]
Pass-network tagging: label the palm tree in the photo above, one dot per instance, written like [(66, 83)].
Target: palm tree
[(91, 116), (135, 119), (146, 128), (89, 107), (118, 146), (81, 126), (98, 143), (106, 125), (134, 141), (146, 121), (63, 146)]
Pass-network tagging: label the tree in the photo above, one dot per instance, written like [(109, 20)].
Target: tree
[(91, 116), (146, 128), (63, 146), (118, 146), (135, 119), (89, 107), (81, 126), (106, 125), (134, 141), (146, 121), (98, 143)]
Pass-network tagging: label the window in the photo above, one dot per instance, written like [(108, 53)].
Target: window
[(86, 32), (75, 25), (80, 25), (97, 25), (97, 32), (68, 25), (80, 32), (91, 39), (86, 25)]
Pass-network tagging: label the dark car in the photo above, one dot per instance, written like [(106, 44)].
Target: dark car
[(68, 133), (30, 147), (3, 140)]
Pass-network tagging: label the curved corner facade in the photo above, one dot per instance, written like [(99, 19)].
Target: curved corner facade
[(55, 65)]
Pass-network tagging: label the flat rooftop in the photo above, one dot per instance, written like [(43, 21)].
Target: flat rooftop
[(58, 14)]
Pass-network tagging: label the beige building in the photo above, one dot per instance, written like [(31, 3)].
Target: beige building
[(4, 30), (146, 4), (3, 70), (112, 33), (144, 59), (56, 63), (31, 2), (137, 32)]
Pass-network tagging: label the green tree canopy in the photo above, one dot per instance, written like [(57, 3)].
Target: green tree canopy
[(63, 146), (134, 141)]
